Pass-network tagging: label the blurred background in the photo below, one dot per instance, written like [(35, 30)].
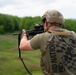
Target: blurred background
[(18, 14)]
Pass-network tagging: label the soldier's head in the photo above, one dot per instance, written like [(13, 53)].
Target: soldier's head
[(53, 17)]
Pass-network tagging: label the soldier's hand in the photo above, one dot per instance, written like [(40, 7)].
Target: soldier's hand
[(23, 32)]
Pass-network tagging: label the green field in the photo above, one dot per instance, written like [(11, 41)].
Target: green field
[(10, 64)]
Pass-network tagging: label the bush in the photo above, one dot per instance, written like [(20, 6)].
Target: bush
[(1, 29)]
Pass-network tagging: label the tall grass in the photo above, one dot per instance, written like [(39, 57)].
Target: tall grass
[(10, 64)]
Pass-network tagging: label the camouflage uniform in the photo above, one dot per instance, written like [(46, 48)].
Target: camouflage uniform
[(40, 41)]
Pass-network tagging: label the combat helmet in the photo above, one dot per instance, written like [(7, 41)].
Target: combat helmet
[(53, 16)]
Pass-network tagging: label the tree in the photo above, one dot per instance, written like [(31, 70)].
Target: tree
[(1, 29), (16, 21), (70, 24)]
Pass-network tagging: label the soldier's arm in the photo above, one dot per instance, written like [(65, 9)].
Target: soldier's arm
[(25, 44)]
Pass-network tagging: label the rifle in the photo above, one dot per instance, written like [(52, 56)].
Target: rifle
[(38, 28)]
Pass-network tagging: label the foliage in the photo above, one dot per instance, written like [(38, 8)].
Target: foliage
[(70, 24), (1, 29), (28, 22), (10, 23)]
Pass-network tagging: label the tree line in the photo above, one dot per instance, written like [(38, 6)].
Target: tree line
[(9, 23)]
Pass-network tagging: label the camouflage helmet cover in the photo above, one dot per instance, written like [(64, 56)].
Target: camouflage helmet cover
[(54, 16)]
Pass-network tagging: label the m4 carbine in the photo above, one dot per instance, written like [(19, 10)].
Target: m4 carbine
[(38, 28)]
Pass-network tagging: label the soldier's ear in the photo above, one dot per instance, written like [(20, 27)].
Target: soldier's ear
[(46, 23)]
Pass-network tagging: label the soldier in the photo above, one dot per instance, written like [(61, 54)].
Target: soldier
[(51, 56)]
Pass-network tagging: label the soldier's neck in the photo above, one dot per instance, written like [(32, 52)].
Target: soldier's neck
[(53, 27)]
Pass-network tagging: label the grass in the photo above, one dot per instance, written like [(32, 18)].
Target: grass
[(10, 64)]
